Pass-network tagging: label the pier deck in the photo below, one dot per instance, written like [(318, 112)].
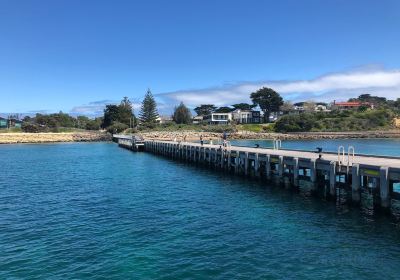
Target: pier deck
[(378, 176), (329, 156)]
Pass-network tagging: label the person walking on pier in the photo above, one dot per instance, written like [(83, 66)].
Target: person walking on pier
[(201, 139), (319, 151), (224, 137)]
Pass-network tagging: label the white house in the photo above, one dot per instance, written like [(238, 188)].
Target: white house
[(218, 118), (246, 116)]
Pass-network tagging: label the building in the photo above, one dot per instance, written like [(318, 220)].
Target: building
[(164, 119), (246, 116), (321, 108), (15, 123), (10, 123), (218, 118), (351, 105), (197, 120), (3, 123)]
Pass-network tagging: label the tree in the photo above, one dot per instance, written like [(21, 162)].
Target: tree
[(287, 107), (243, 106), (93, 124), (224, 110), (295, 123), (81, 121), (111, 114), (268, 100), (125, 114), (397, 103), (205, 109), (309, 106), (182, 114), (148, 113)]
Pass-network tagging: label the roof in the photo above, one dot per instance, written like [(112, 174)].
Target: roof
[(353, 103)]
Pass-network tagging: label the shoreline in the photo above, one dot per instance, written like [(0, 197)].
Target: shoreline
[(49, 137), (247, 135), (67, 137)]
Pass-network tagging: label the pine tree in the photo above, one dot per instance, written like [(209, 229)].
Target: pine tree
[(148, 113), (126, 114)]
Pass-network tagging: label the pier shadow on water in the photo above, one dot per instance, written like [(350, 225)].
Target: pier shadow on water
[(341, 204)]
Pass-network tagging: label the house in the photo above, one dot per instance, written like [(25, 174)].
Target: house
[(9, 123), (164, 119), (246, 116), (15, 123), (197, 120), (321, 108), (351, 105), (3, 123), (218, 118)]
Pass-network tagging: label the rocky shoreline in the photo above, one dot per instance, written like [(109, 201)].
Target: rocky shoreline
[(195, 135), (15, 138)]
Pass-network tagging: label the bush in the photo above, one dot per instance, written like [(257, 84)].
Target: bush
[(295, 123), (219, 128), (92, 125), (269, 128), (116, 127), (33, 128)]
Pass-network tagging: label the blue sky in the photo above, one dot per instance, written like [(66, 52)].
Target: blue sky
[(76, 56)]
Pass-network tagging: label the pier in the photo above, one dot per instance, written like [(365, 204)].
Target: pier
[(327, 173)]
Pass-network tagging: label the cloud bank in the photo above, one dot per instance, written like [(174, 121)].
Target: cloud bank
[(338, 86), (329, 87)]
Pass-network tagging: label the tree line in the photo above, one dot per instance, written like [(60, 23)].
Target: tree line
[(57, 122), (119, 117)]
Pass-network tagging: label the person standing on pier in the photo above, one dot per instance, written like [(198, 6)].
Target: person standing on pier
[(224, 136), (201, 139)]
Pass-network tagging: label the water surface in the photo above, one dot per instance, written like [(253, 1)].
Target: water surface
[(383, 147), (96, 211)]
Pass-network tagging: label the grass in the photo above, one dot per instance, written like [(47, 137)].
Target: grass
[(11, 130), (266, 127)]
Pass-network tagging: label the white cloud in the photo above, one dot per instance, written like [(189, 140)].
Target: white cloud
[(339, 86), (333, 86), (96, 108)]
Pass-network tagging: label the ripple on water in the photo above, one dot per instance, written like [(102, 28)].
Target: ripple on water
[(90, 211)]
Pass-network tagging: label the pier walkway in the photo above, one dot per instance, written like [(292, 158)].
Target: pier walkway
[(357, 174)]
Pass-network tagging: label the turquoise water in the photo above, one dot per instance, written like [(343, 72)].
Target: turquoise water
[(387, 147), (96, 211)]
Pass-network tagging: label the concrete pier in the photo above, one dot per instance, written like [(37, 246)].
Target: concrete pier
[(283, 166)]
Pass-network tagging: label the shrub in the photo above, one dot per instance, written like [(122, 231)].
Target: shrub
[(116, 127), (295, 123), (32, 128)]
